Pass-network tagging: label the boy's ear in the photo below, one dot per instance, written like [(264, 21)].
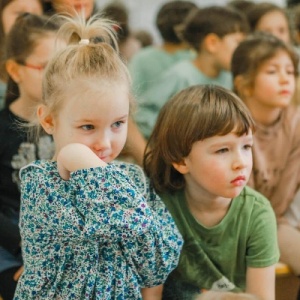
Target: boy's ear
[(13, 70), (211, 42), (46, 119), (181, 167)]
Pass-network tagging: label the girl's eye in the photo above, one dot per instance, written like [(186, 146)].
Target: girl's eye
[(223, 150), (271, 71), (291, 72), (87, 127), (117, 124), (248, 147)]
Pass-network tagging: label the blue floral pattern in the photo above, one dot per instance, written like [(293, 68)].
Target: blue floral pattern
[(103, 234)]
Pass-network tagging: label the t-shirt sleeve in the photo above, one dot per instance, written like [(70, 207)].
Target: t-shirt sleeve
[(262, 250)]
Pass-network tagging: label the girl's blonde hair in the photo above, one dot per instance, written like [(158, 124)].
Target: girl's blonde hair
[(194, 114), (91, 53)]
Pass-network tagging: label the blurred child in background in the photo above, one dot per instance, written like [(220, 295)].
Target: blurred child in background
[(29, 45), (264, 70)]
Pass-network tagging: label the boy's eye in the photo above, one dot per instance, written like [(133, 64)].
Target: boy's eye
[(87, 127), (223, 150), (248, 147), (117, 124)]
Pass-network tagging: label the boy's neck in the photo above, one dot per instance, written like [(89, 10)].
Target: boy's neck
[(172, 48), (264, 115), (207, 210), (207, 65)]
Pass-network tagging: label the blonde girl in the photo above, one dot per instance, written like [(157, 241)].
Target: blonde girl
[(91, 228)]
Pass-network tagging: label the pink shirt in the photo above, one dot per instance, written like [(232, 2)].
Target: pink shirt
[(276, 160)]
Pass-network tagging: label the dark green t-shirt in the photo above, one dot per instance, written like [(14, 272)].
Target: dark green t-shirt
[(217, 257)]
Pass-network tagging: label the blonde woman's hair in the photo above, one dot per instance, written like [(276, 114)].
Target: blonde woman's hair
[(91, 53)]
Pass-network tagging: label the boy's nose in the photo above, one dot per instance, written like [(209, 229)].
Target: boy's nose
[(239, 162)]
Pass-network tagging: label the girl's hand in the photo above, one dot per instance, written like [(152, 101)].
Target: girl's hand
[(153, 293), (18, 273), (75, 157)]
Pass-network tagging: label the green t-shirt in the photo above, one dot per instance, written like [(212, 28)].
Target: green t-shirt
[(217, 257)]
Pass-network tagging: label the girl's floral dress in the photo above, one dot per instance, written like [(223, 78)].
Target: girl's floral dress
[(103, 234)]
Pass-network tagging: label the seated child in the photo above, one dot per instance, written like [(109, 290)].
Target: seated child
[(199, 159)]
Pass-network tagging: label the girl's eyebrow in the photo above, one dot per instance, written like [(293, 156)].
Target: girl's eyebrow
[(86, 120)]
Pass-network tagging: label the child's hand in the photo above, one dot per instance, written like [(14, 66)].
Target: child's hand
[(75, 157), (18, 273), (153, 293)]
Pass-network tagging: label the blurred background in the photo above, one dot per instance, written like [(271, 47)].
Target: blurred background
[(142, 12)]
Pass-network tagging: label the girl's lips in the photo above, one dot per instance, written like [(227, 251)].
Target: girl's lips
[(284, 92)]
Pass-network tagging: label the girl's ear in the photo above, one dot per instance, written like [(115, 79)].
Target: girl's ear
[(45, 118), (13, 70), (243, 89), (181, 167)]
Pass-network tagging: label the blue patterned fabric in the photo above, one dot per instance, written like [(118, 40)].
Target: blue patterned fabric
[(103, 234)]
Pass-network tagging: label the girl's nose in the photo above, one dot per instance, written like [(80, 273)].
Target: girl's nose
[(102, 142), (284, 76)]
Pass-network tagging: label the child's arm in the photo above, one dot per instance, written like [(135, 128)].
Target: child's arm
[(153, 293), (74, 157), (211, 295), (261, 282)]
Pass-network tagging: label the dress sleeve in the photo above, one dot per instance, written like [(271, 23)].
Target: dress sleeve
[(158, 250)]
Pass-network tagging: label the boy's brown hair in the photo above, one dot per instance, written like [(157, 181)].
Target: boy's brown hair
[(192, 115), (214, 19)]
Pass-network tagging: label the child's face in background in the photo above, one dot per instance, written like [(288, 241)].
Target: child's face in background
[(31, 72), (85, 6), (219, 166), (276, 24), (226, 47), (16, 8), (97, 118), (274, 84)]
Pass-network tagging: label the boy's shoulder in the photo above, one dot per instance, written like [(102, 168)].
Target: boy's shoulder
[(250, 192), (256, 198)]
